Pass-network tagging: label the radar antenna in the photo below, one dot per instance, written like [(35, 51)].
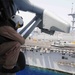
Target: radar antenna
[(73, 16)]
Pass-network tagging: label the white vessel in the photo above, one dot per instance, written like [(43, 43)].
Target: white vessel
[(42, 53)]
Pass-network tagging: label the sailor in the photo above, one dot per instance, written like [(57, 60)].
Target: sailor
[(11, 58)]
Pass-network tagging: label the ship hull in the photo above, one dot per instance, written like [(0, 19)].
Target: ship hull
[(52, 60)]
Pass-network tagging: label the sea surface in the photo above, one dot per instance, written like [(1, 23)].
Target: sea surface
[(30, 70)]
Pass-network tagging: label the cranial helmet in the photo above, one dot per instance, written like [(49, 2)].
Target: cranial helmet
[(18, 20)]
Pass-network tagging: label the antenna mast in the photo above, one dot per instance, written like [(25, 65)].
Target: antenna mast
[(73, 16)]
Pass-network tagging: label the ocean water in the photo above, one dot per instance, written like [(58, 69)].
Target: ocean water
[(29, 70)]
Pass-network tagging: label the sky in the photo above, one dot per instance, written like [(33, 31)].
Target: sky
[(60, 8)]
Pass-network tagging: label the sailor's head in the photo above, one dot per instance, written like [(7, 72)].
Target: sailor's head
[(18, 20)]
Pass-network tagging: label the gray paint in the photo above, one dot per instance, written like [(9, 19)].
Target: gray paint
[(25, 5)]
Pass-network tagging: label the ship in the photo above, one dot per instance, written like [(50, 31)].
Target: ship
[(56, 55)]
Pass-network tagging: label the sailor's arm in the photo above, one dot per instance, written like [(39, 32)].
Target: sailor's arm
[(10, 33)]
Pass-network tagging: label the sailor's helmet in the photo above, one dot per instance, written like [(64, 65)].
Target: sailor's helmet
[(18, 20)]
